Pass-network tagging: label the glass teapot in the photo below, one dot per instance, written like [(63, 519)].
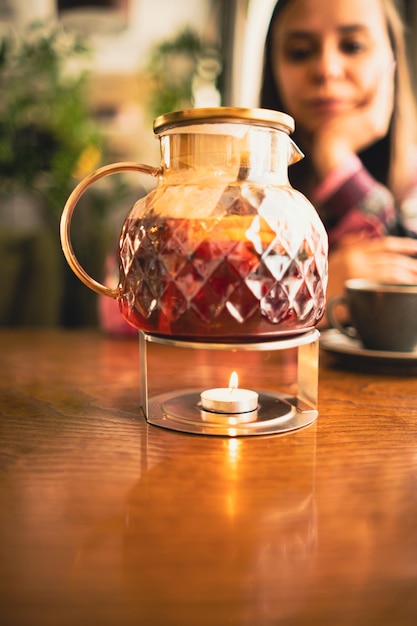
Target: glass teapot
[(223, 248)]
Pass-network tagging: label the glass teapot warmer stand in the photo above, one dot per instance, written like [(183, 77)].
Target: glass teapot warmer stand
[(291, 361)]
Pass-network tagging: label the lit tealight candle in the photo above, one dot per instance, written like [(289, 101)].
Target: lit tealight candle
[(229, 400)]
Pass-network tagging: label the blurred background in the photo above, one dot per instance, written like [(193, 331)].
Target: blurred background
[(80, 84)]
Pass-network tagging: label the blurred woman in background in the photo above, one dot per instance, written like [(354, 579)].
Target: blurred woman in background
[(340, 70)]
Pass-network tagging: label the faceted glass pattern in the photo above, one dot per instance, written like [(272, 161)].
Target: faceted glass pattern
[(255, 266)]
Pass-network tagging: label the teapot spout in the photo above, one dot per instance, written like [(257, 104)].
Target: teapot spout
[(295, 154)]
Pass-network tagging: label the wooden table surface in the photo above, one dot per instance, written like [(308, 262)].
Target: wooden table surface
[(107, 520)]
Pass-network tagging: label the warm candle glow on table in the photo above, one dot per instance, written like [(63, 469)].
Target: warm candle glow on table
[(229, 400), (124, 522)]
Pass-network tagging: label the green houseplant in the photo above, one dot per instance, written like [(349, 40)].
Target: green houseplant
[(46, 130), (177, 67), (48, 140), (171, 66)]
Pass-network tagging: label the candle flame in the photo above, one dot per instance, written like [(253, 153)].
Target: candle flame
[(234, 381)]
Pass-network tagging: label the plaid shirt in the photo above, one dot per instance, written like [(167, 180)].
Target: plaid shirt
[(350, 201)]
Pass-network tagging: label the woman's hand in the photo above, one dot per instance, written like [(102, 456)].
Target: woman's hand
[(386, 259)]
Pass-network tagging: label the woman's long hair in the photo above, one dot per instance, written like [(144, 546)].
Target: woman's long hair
[(390, 160)]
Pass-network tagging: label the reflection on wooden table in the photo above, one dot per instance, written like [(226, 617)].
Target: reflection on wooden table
[(107, 520)]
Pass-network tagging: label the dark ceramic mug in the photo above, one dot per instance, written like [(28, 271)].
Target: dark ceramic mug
[(383, 316)]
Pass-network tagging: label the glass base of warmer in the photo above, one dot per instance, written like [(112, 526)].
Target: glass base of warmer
[(288, 366)]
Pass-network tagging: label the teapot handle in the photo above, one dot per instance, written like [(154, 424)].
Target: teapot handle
[(68, 211)]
